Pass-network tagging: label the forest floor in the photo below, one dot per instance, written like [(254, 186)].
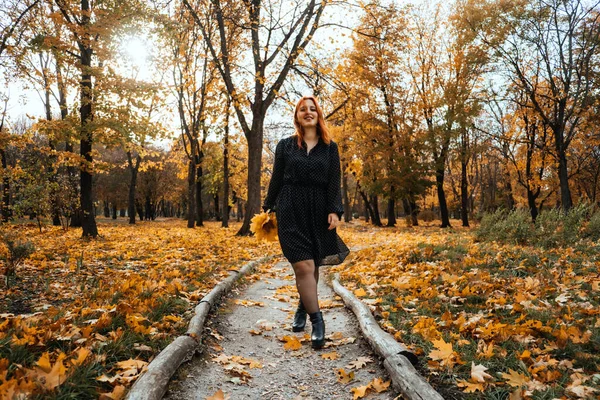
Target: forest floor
[(488, 320)]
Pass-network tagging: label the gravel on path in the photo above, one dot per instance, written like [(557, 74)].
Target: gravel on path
[(244, 354)]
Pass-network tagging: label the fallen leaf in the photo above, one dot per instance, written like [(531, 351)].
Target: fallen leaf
[(330, 356), (513, 378), (343, 376), (291, 343), (117, 394), (361, 391), (478, 373), (359, 363)]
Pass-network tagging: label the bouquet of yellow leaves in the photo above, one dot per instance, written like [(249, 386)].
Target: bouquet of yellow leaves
[(264, 225)]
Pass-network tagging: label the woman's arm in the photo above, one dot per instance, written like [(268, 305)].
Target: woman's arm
[(276, 178), (334, 192)]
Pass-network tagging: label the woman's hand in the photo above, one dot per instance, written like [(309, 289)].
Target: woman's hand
[(333, 221)]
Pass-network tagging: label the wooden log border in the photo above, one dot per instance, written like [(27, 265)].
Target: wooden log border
[(398, 360), (152, 385)]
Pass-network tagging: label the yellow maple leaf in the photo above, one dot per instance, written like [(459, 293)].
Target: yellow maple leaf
[(443, 353), (470, 387), (82, 353), (50, 375), (264, 225), (513, 378), (360, 292)]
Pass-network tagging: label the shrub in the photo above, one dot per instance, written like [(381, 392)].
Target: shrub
[(487, 227), (546, 227), (16, 252), (516, 227), (592, 229), (573, 221), (427, 216)]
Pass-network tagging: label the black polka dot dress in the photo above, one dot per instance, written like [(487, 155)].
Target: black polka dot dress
[(304, 190)]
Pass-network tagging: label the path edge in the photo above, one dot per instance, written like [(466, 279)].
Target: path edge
[(398, 360), (152, 385)]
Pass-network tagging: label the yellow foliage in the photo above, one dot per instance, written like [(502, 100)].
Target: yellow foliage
[(264, 226)]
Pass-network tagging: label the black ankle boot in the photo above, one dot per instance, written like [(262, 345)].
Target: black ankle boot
[(299, 318), (318, 330)]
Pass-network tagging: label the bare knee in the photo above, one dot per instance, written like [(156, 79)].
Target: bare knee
[(304, 268)]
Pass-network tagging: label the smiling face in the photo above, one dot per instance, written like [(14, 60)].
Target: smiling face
[(307, 115)]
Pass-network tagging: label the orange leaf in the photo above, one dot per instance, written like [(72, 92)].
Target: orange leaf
[(117, 394), (344, 377), (379, 385), (291, 343), (330, 356), (361, 391)]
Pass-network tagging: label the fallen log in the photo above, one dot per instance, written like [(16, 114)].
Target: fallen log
[(152, 384), (398, 360)]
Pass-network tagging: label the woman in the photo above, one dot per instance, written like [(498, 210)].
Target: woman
[(305, 193)]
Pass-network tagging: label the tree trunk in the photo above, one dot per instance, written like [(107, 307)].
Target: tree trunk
[(217, 213), (140, 210), (563, 177), (391, 212), (374, 201), (225, 217), (347, 210), (191, 212), (369, 213), (439, 183), (6, 214), (464, 192), (106, 209), (114, 210), (133, 169), (199, 205), (149, 208), (88, 220), (255, 140), (531, 197)]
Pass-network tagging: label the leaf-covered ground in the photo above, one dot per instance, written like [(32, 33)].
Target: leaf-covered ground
[(84, 317), (490, 321)]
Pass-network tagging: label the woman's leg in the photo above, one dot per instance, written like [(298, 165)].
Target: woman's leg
[(306, 282)]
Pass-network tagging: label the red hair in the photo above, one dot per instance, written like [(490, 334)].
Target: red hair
[(322, 129)]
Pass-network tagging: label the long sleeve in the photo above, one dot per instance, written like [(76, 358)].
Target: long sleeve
[(276, 178), (334, 192)]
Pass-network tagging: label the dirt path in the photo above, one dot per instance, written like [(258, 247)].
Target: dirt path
[(266, 307)]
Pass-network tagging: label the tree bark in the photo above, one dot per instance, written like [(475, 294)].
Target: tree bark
[(347, 208), (374, 201), (199, 205), (255, 141), (439, 183), (563, 177), (191, 212), (464, 192), (225, 217), (133, 169), (391, 212), (5, 189), (88, 220)]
